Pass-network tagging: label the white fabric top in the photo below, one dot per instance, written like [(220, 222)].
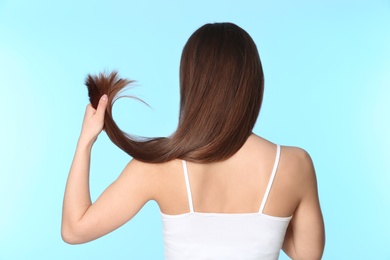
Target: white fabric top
[(196, 235)]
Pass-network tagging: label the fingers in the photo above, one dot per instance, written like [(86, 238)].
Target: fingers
[(102, 105), (100, 111)]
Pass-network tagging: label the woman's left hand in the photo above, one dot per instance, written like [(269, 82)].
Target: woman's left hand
[(93, 121)]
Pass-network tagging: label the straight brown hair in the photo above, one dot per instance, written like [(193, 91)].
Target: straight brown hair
[(221, 91)]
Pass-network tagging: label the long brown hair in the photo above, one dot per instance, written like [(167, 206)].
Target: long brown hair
[(221, 91)]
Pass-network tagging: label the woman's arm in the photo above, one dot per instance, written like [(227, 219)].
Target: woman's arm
[(83, 221), (305, 236)]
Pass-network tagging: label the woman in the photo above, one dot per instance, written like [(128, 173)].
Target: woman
[(223, 192)]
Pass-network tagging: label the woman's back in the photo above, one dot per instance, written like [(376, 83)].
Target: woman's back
[(239, 207), (236, 185)]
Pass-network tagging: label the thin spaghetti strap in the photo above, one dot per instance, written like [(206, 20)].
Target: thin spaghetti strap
[(271, 179), (189, 195)]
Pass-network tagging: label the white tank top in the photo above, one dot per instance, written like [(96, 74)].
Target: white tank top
[(196, 235)]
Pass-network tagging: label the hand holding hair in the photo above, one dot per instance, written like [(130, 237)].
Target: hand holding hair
[(93, 121)]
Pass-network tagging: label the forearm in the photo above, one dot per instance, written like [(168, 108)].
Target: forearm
[(77, 198)]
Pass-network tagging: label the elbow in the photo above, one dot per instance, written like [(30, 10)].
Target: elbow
[(304, 256), (71, 236), (68, 237), (312, 257), (311, 254)]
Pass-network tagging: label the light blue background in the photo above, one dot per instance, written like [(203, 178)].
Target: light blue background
[(327, 90)]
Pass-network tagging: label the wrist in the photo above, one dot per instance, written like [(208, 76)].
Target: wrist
[(86, 143)]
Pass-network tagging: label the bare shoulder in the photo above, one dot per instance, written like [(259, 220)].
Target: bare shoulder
[(152, 176), (297, 166), (298, 157), (295, 163), (293, 152), (149, 169), (139, 167), (164, 183)]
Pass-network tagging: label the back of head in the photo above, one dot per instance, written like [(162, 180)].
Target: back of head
[(221, 91), (221, 81)]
